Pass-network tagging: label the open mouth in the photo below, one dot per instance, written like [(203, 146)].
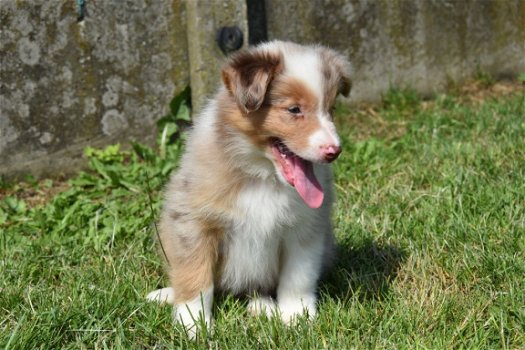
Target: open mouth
[(299, 173)]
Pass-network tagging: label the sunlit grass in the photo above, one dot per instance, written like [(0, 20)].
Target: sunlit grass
[(430, 223)]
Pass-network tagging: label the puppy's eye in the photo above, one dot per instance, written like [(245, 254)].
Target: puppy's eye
[(295, 110)]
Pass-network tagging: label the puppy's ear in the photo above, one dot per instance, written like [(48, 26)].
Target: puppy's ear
[(345, 84), (343, 69), (337, 71), (247, 76)]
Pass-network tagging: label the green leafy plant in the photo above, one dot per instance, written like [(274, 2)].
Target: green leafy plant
[(178, 118), (109, 154)]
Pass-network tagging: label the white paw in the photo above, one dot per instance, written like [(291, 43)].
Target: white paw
[(195, 314), (162, 296), (292, 308), (262, 306), (192, 319)]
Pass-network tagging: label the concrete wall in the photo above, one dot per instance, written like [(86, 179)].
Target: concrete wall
[(66, 84), (423, 44)]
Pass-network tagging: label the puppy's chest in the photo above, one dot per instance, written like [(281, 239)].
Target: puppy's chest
[(252, 245), (262, 207)]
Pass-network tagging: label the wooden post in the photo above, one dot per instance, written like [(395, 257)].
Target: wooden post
[(204, 19)]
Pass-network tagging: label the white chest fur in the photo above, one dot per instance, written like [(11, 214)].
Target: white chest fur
[(266, 211)]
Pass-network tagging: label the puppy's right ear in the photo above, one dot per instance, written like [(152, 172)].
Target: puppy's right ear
[(247, 76)]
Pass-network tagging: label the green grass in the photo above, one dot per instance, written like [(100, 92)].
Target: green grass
[(430, 222)]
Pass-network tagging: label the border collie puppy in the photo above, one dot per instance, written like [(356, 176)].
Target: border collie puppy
[(248, 211)]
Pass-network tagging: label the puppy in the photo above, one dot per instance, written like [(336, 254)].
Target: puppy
[(248, 211)]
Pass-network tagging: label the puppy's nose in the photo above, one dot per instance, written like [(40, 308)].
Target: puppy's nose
[(330, 152)]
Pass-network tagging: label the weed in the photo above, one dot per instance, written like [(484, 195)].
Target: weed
[(401, 101), (484, 78)]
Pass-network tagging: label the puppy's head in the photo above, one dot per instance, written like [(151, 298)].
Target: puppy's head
[(285, 93)]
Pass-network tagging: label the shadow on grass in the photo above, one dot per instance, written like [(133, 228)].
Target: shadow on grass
[(365, 270)]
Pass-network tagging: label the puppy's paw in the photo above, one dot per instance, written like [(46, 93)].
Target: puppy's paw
[(195, 315), (162, 296), (192, 318), (262, 306), (292, 308)]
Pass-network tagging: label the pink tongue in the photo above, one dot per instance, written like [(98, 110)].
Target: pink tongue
[(306, 183)]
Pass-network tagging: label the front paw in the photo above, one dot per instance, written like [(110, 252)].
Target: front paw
[(262, 306), (162, 296), (192, 318), (291, 308)]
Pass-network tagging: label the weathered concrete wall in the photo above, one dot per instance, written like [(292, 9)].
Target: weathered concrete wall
[(67, 84), (423, 44)]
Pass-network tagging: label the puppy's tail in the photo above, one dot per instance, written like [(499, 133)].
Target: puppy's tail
[(162, 296)]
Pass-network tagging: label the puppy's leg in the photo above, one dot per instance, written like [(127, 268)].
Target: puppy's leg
[(302, 260), (191, 249)]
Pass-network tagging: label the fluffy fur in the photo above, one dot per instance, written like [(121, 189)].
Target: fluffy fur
[(243, 213)]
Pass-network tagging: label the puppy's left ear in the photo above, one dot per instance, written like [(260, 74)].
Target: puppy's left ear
[(345, 84), (247, 76), (339, 70)]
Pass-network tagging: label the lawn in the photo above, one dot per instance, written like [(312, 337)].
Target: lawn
[(430, 225)]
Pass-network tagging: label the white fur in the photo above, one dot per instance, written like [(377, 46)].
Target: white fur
[(329, 127), (301, 62), (273, 216), (262, 306), (326, 135), (194, 312), (296, 291), (306, 67), (266, 209), (162, 296)]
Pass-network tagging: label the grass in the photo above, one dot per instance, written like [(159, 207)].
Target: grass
[(430, 223)]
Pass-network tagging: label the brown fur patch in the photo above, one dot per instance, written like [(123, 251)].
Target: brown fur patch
[(273, 119), (248, 74), (215, 195), (192, 270)]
